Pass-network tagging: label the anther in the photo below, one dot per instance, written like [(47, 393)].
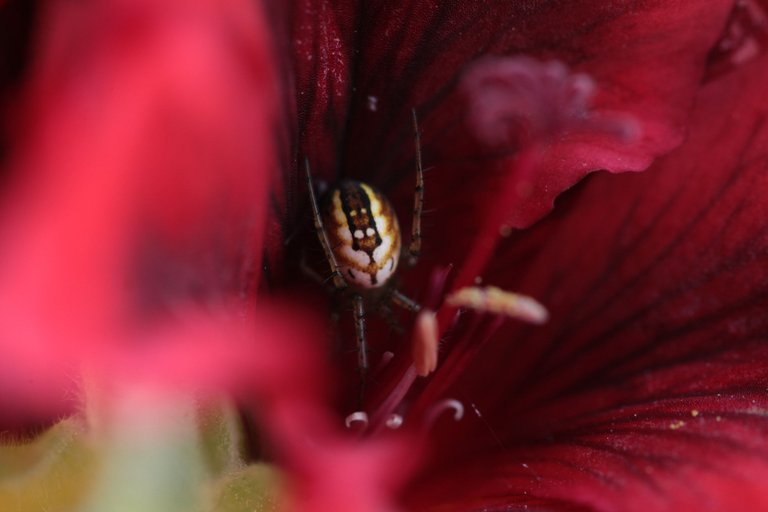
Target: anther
[(439, 408), (357, 417), (394, 421), (425, 343), (497, 301)]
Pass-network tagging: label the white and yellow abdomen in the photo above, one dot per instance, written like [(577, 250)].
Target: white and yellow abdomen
[(363, 233)]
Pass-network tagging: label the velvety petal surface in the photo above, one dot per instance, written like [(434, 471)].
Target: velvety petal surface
[(647, 389), (361, 69)]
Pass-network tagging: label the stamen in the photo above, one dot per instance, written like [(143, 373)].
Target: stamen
[(394, 395), (394, 421), (425, 343), (434, 412), (357, 417), (497, 301), (393, 398)]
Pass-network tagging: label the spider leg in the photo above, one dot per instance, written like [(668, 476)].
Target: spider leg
[(362, 344), (338, 280), (414, 248), (405, 302)]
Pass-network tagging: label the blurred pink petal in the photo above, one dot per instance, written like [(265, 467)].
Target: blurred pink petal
[(141, 173)]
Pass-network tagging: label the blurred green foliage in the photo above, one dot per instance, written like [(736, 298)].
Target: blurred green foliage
[(191, 464)]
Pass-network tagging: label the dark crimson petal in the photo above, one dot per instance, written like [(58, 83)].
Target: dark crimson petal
[(647, 391), (361, 68), (647, 60), (598, 474), (315, 43), (324, 39), (15, 34)]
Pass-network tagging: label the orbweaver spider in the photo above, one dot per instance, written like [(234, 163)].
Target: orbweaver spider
[(360, 235)]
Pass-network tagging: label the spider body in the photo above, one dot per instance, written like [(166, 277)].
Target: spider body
[(360, 236), (363, 233)]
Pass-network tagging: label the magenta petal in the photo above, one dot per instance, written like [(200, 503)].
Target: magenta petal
[(647, 389)]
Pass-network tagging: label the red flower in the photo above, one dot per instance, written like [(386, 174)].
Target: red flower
[(643, 390), (151, 185)]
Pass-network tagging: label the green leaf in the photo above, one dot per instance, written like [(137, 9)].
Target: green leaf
[(178, 457), (53, 472), (152, 461), (221, 437), (254, 488)]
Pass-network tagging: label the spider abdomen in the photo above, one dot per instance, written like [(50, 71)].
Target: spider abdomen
[(363, 232)]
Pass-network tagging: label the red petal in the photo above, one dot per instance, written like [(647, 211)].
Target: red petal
[(630, 56), (324, 43), (142, 162), (647, 389), (647, 60), (361, 69)]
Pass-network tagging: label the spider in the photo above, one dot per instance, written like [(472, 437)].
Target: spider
[(360, 235)]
